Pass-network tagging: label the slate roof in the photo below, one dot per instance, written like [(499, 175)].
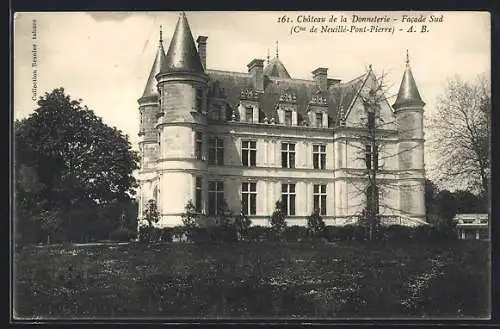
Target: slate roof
[(408, 94), (150, 91), (229, 85), (275, 68), (182, 55)]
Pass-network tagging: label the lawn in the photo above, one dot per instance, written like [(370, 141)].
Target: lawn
[(253, 280)]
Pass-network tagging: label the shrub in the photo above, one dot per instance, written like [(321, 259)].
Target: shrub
[(222, 233), (278, 221), (191, 219), (316, 225), (176, 232), (151, 213), (122, 234), (396, 233), (258, 233), (296, 233), (345, 233), (242, 223), (149, 233)]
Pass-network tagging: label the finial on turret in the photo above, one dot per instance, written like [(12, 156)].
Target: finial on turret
[(268, 56), (161, 35), (277, 49), (370, 67), (407, 57)]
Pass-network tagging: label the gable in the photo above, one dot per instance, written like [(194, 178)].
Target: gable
[(357, 113)]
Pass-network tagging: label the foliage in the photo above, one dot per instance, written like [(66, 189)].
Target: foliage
[(66, 157), (278, 220), (190, 217), (50, 221), (149, 233), (151, 213), (315, 224), (461, 129), (296, 233), (345, 233), (258, 233), (122, 234), (242, 224)]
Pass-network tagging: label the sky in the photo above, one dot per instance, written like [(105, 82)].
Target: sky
[(104, 58)]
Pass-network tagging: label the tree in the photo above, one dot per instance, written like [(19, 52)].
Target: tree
[(278, 220), (373, 139), (50, 223), (75, 155), (151, 213), (431, 191), (66, 156), (190, 217), (315, 224), (242, 224), (468, 202), (460, 130)]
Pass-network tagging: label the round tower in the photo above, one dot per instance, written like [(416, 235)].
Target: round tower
[(409, 111), (148, 136), (182, 85)]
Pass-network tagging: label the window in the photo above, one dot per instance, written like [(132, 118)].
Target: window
[(249, 195), (216, 151), (216, 113), (199, 99), (372, 198), (288, 198), (371, 157), (248, 153), (288, 117), (198, 195), (199, 145), (319, 120), (249, 114), (371, 120), (319, 198), (287, 155), (319, 156), (215, 197)]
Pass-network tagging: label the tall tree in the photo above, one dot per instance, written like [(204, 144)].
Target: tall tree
[(66, 156), (461, 129), (75, 155), (374, 146)]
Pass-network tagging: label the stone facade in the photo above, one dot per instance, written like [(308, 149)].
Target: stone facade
[(254, 138)]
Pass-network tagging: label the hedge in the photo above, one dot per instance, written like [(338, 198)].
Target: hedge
[(228, 233)]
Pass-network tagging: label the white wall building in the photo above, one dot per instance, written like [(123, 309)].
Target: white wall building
[(252, 138)]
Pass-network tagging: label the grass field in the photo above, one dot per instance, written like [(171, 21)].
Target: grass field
[(253, 280)]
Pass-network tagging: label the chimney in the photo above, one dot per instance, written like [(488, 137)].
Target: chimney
[(256, 69), (202, 50), (320, 77)]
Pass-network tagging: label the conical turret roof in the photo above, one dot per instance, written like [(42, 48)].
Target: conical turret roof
[(275, 68), (182, 55), (150, 90), (408, 94)]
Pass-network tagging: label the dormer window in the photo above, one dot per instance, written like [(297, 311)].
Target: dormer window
[(216, 113), (288, 117), (249, 114), (319, 120)]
